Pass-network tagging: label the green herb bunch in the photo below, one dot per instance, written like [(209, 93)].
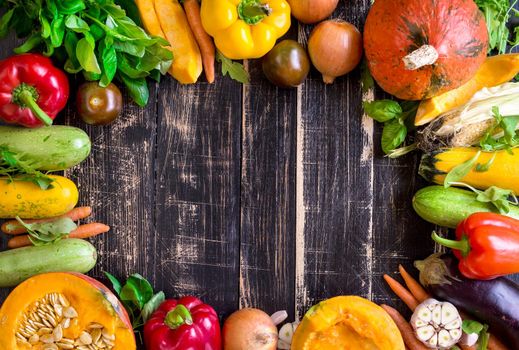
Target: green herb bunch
[(498, 14), (95, 37), (17, 168)]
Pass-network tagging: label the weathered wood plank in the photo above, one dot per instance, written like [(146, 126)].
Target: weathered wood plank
[(334, 191), (268, 185), (198, 192)]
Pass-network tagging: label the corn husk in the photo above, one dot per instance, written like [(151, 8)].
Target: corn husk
[(466, 125)]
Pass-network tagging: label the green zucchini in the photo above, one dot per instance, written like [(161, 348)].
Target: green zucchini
[(67, 255), (50, 148), (449, 206)]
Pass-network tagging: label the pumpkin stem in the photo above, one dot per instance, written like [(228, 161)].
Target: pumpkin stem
[(424, 56)]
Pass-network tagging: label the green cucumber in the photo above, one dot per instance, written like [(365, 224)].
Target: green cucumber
[(449, 206), (49, 148), (67, 255)]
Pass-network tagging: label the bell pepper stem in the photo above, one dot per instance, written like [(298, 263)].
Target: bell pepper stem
[(177, 317), (26, 96), (253, 11), (462, 245)]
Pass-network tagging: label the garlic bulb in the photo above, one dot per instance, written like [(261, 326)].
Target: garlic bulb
[(437, 324)]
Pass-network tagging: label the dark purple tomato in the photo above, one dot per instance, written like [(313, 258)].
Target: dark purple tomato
[(287, 64), (98, 105)]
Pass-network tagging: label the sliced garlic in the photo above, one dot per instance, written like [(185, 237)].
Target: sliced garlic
[(437, 324)]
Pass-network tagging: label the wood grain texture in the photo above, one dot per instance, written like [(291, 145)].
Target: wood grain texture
[(198, 192), (267, 185)]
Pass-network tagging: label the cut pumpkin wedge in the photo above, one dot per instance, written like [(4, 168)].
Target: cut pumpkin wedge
[(496, 70)]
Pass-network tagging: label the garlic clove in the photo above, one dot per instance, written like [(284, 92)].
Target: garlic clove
[(425, 333), (449, 313), (456, 324), (433, 342), (286, 333), (444, 339), (455, 334), (283, 345), (279, 316), (437, 315)]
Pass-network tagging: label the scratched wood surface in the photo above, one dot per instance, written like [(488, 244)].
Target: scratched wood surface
[(252, 195)]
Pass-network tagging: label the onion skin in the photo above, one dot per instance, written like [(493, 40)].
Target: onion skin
[(249, 329), (312, 11), (335, 48)]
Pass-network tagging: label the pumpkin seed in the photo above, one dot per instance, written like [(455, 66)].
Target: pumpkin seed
[(85, 338), (62, 345), (63, 300), (47, 338), (57, 333), (107, 335), (70, 312), (34, 339), (50, 347), (65, 323)]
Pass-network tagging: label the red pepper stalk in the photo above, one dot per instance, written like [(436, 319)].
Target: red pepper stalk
[(487, 245), (32, 90), (184, 324)]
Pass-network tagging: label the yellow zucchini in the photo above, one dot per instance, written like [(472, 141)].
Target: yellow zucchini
[(28, 201), (187, 60), (503, 171)]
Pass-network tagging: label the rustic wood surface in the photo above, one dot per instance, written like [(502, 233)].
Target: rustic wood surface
[(252, 195)]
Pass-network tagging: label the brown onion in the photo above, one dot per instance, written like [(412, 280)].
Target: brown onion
[(249, 329), (312, 11), (335, 48)]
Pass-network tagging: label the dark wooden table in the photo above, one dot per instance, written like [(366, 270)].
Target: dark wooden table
[(252, 195)]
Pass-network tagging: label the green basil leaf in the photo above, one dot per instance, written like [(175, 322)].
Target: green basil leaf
[(137, 88), (109, 59), (460, 171), (156, 58), (152, 305), (137, 290), (131, 10), (382, 110), (57, 32), (86, 56), (129, 48), (471, 327), (4, 23), (115, 282), (45, 26), (70, 68), (70, 7), (77, 24), (393, 135), (97, 32), (70, 44)]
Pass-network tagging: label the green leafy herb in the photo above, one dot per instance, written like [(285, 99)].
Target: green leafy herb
[(481, 168), (472, 327), (460, 171), (48, 232), (498, 197), (498, 14), (383, 110), (95, 38), (393, 135), (507, 125), (484, 336), (137, 297), (235, 70), (18, 168)]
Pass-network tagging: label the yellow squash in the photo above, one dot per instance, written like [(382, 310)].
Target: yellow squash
[(503, 171), (347, 322), (187, 60), (496, 70), (28, 201)]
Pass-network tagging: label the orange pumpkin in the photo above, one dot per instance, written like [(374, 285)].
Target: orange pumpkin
[(64, 308), (418, 49)]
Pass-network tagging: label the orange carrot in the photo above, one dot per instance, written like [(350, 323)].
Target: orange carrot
[(402, 293), (13, 227), (205, 42), (495, 344), (405, 328), (414, 287), (82, 231)]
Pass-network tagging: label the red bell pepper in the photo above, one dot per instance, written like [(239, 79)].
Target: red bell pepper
[(487, 245), (184, 324), (32, 90)]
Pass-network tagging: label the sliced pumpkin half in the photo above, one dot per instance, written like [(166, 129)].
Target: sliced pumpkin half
[(55, 311), (348, 323)]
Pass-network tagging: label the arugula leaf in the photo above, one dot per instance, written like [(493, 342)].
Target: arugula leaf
[(17, 168), (460, 171), (235, 70), (507, 125), (471, 327), (498, 197), (393, 135), (481, 168), (44, 233), (497, 15), (382, 110)]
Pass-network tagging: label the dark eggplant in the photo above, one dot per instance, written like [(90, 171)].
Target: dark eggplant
[(494, 302)]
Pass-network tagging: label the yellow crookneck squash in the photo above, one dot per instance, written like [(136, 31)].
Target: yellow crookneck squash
[(71, 304), (503, 169), (348, 323), (494, 71)]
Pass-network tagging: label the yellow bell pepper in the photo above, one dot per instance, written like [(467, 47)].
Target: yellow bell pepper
[(244, 29), (495, 71), (347, 322)]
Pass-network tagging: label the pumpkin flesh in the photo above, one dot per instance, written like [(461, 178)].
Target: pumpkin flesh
[(396, 28), (93, 302)]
